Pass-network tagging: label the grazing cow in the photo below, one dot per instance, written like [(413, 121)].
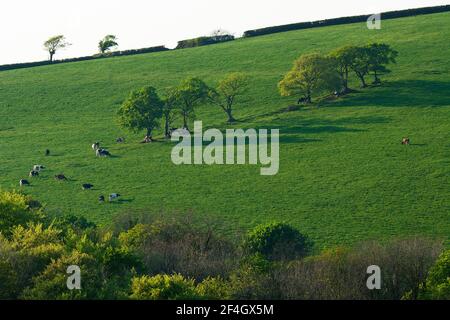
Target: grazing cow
[(33, 173), (405, 141), (60, 177), (24, 182), (96, 146), (38, 167), (47, 152), (113, 196), (87, 186), (101, 198), (120, 140)]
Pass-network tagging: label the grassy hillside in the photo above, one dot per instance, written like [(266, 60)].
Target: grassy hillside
[(343, 174)]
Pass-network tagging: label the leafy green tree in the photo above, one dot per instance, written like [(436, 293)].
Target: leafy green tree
[(16, 209), (311, 73), (191, 93), (163, 287), (437, 286), (343, 58), (380, 55), (277, 241), (360, 65), (233, 85), (54, 44), (170, 103), (107, 43), (141, 111)]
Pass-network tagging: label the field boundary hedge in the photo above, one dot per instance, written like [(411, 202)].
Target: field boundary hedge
[(86, 58), (344, 20)]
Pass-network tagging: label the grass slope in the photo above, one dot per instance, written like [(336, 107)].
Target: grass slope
[(343, 174)]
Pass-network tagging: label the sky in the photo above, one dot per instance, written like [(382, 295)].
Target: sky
[(26, 24)]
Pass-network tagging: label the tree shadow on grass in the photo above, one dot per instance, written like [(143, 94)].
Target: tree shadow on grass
[(292, 129), (404, 93)]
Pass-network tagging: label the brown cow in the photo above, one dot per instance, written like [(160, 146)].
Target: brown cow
[(405, 141)]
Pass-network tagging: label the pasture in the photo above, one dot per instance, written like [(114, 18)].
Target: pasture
[(344, 175)]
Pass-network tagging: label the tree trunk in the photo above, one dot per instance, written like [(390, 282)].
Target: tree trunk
[(231, 119), (166, 127), (51, 56), (185, 121), (363, 81), (346, 80), (377, 80), (148, 137)]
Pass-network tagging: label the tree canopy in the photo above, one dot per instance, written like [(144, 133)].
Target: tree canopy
[(311, 73), (141, 111), (224, 95), (55, 43), (107, 43)]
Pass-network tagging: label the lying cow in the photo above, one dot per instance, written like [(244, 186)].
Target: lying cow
[(24, 182), (38, 167), (60, 177), (405, 141), (102, 153), (101, 198), (120, 140), (113, 196), (87, 186), (33, 173)]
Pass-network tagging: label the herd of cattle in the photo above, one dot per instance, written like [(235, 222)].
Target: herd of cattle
[(99, 152)]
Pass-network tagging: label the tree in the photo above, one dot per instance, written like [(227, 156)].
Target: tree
[(191, 93), (343, 58), (380, 54), (276, 241), (141, 111), (55, 43), (228, 89), (360, 58), (107, 43), (169, 107), (437, 285), (311, 73)]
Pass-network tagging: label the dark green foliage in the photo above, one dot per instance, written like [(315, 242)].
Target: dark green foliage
[(141, 111), (277, 241), (203, 41), (437, 285)]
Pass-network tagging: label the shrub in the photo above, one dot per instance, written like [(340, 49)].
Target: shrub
[(16, 209), (203, 41), (214, 289), (437, 286), (163, 287), (176, 245), (277, 241)]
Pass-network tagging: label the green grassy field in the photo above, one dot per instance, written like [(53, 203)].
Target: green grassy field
[(344, 176)]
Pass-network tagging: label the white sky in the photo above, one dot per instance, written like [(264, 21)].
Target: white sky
[(26, 24)]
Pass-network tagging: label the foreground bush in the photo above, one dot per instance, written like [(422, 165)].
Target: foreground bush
[(178, 259), (16, 209), (163, 287), (437, 286)]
